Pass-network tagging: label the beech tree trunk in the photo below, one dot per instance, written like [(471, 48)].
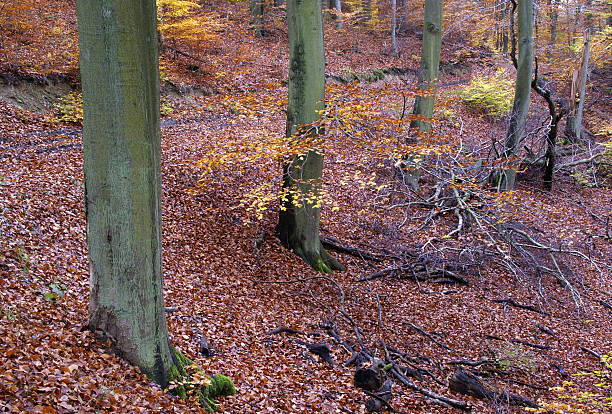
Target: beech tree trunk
[(504, 179), (121, 160), (573, 127), (427, 77), (298, 225), (335, 5), (430, 63), (554, 16), (394, 26), (337, 17), (257, 8)]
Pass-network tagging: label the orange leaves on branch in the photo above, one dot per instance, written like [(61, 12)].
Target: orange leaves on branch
[(180, 20), (372, 123)]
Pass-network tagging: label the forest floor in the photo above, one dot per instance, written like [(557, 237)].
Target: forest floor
[(222, 261)]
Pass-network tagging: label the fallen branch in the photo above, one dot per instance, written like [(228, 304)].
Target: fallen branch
[(582, 161), (282, 329), (514, 304), (493, 337), (187, 55), (605, 304), (430, 394), (321, 350), (378, 274), (451, 277), (375, 405), (469, 363), (591, 352), (560, 369), (530, 344), (336, 245), (463, 382), (546, 330), (430, 336), (422, 274), (358, 333)]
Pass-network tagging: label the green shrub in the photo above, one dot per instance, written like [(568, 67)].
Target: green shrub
[(70, 108), (492, 93), (166, 107)]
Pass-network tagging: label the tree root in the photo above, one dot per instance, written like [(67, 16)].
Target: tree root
[(187, 380), (340, 247), (320, 261)]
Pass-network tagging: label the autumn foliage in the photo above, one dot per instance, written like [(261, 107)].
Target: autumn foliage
[(518, 283)]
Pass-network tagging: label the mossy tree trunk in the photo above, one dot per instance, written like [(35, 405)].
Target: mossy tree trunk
[(298, 225), (427, 78), (121, 162), (504, 178)]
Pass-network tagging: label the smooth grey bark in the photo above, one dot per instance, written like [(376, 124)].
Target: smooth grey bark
[(257, 8), (427, 77), (337, 17), (504, 178), (554, 17), (394, 26), (298, 224), (430, 63), (121, 161), (578, 91)]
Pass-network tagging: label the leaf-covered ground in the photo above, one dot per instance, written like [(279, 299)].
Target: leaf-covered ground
[(218, 264)]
